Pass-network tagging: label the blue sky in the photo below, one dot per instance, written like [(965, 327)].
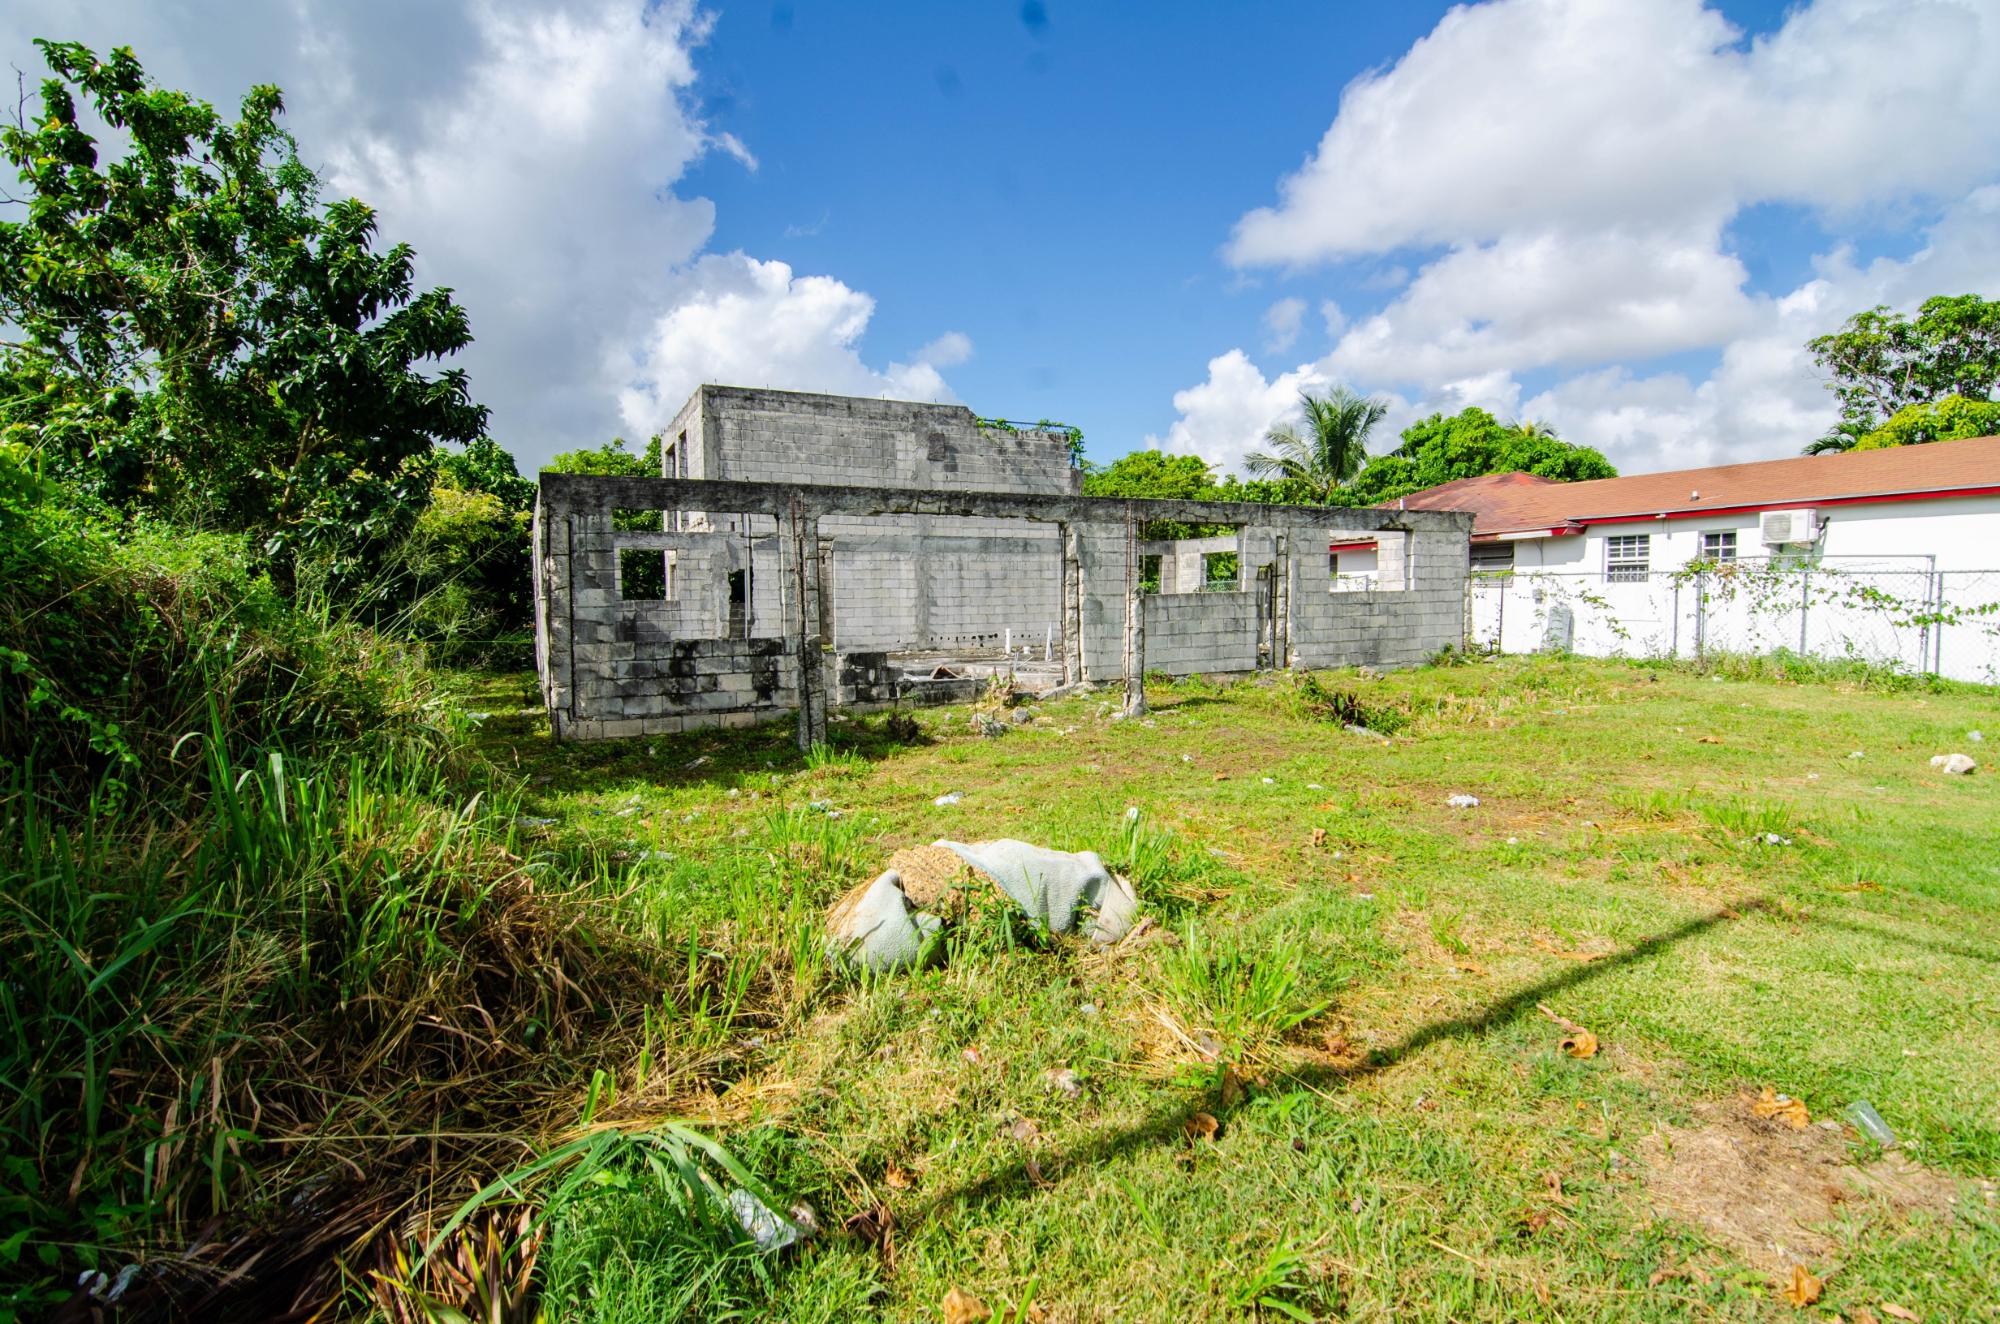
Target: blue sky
[(1060, 185), (1622, 217)]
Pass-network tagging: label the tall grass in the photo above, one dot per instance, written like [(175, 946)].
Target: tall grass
[(273, 1012)]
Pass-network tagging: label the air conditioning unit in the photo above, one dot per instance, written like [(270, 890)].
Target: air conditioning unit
[(1778, 527)]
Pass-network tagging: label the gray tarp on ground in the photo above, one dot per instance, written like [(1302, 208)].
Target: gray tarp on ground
[(883, 932), (1050, 886)]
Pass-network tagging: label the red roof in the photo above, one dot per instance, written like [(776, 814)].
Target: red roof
[(1523, 503)]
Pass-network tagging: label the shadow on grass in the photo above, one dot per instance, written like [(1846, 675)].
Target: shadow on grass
[(1986, 954), (520, 742), (1166, 1126)]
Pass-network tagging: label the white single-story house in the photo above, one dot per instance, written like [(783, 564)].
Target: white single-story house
[(1621, 565), (1940, 501)]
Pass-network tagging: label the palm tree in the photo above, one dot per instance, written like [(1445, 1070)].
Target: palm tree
[(1833, 445), (1329, 451), (1534, 427)]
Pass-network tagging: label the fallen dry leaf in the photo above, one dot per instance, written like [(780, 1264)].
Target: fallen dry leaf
[(1707, 740), (1894, 1311), (1232, 1088), (961, 1307), (1582, 1044), (874, 1227), (1780, 1107), (1804, 1289), (1553, 1181), (1201, 1126), (1222, 776), (1688, 1273), (1863, 1315), (896, 1179), (1038, 1313), (1319, 836), (1025, 1131)]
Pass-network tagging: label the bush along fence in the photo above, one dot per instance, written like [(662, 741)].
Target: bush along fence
[(1908, 618)]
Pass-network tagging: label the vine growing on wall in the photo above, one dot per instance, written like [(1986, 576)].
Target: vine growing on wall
[(1072, 434)]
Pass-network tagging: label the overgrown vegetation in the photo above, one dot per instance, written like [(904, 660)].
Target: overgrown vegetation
[(1318, 1079)]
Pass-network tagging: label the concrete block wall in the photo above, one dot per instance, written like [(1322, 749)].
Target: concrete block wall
[(629, 689), (799, 437), (899, 581), (1188, 633), (1382, 627)]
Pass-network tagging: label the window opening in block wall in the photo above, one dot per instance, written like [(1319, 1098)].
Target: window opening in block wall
[(1492, 558), (826, 593), (1149, 574), (642, 575), (739, 604), (1218, 572), (1395, 562)]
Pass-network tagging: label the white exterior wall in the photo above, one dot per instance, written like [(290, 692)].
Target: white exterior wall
[(1897, 549)]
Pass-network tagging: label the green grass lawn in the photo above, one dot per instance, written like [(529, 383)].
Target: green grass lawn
[(1343, 972)]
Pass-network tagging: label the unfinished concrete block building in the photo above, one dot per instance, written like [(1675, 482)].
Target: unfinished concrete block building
[(800, 550)]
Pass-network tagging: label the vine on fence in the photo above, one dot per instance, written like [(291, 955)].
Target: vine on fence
[(1764, 590)]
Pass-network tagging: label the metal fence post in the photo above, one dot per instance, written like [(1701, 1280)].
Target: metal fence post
[(1937, 640), (1700, 613), (1805, 605)]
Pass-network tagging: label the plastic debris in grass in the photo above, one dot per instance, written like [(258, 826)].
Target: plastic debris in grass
[(1773, 839), (527, 821), (1463, 802), (770, 1230), (949, 798), (1869, 1122), (893, 922)]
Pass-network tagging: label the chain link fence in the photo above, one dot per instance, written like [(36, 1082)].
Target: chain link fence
[(1903, 615)]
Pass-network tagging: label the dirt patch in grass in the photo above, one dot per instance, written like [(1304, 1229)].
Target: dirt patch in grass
[(1773, 1194)]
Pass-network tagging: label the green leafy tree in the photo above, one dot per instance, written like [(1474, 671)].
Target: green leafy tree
[(1881, 363), (1953, 418), (643, 575), (1472, 442), (1151, 475), (485, 466), (195, 334), (1328, 451)]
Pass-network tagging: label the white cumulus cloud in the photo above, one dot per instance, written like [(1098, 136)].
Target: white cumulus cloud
[(1563, 176), (734, 319), (532, 152), (1282, 321)]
